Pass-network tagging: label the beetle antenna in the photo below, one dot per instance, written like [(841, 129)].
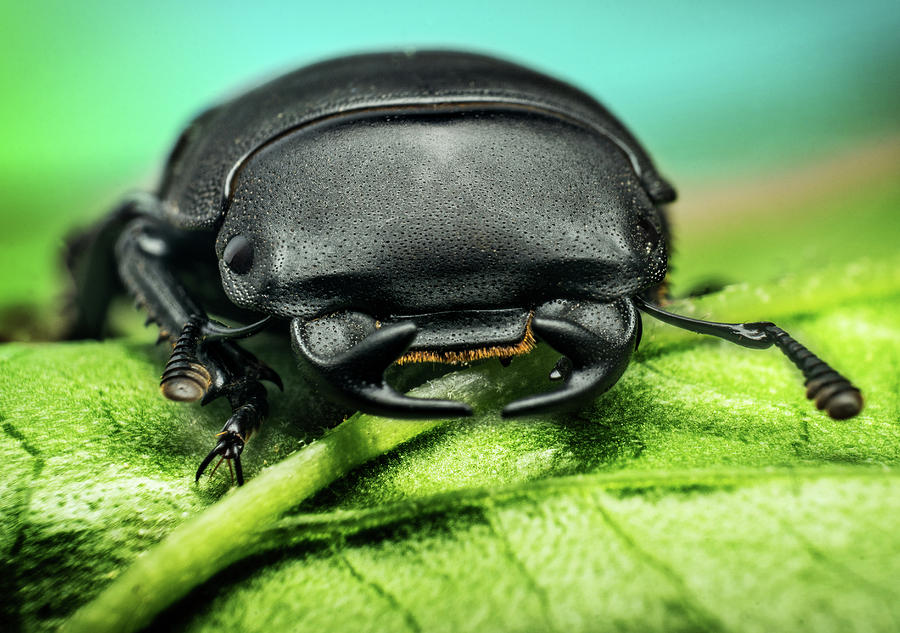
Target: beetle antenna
[(184, 378), (831, 391), (215, 332)]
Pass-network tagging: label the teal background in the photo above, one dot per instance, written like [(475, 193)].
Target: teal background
[(94, 94)]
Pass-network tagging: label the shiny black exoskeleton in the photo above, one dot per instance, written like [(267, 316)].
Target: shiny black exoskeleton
[(436, 206)]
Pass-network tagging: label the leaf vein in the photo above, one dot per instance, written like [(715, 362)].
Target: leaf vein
[(704, 619), (382, 591), (835, 566), (495, 525)]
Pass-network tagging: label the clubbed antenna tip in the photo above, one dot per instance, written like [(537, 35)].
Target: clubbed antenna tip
[(832, 393)]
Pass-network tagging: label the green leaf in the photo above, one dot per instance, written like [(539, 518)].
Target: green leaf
[(703, 492)]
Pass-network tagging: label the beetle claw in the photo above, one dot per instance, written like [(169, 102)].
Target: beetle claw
[(229, 447), (205, 463)]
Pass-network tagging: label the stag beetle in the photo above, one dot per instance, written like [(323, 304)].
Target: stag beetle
[(398, 208)]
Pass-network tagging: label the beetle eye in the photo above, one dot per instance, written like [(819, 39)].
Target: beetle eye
[(238, 255), (648, 235)]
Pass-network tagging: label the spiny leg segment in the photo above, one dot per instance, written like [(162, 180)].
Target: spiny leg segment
[(205, 363)]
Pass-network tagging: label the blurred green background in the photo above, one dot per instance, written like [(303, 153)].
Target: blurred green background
[(779, 123), (729, 98)]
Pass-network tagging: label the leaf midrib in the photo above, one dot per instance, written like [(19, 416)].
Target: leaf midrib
[(297, 529)]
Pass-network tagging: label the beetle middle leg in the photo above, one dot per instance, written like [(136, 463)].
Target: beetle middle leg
[(596, 339), (205, 364)]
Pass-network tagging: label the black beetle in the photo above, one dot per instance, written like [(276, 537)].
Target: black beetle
[(436, 206)]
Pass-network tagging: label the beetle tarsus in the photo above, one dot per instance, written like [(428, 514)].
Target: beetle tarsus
[(199, 368), (237, 431), (206, 462), (228, 448)]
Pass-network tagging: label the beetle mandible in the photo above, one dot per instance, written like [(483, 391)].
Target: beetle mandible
[(393, 207)]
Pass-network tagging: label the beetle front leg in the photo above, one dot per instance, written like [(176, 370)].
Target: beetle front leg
[(204, 364), (249, 406), (145, 251)]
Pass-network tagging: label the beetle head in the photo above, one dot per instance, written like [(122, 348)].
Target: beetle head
[(439, 212)]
